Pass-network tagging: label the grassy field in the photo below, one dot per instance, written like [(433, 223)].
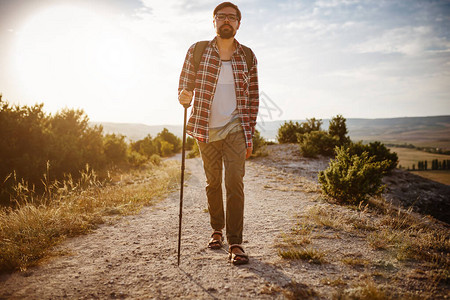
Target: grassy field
[(409, 157), (29, 231), (437, 175)]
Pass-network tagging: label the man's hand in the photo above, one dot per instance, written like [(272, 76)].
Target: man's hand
[(185, 97), (249, 152)]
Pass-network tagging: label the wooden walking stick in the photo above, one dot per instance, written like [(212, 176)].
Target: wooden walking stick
[(182, 181)]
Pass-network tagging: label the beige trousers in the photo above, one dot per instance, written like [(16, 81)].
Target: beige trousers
[(230, 153)]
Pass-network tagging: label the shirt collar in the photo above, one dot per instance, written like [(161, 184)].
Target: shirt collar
[(239, 50)]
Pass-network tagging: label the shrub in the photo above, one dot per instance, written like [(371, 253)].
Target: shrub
[(146, 146), (166, 136), (166, 148), (338, 130), (287, 133), (190, 141), (378, 151), (259, 145), (317, 142), (32, 142), (352, 178), (115, 148), (195, 151), (311, 125), (155, 159), (136, 159)]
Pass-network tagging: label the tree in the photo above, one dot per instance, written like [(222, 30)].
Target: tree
[(338, 129)]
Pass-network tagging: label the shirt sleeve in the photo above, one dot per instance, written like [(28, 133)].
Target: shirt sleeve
[(253, 94), (187, 76)]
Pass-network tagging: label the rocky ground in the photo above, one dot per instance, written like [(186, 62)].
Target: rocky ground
[(136, 256)]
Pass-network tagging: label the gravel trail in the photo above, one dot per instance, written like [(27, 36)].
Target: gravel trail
[(136, 258)]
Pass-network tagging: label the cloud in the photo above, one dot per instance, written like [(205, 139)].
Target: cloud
[(316, 58), (411, 41)]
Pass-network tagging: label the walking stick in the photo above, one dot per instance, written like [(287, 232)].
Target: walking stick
[(182, 181)]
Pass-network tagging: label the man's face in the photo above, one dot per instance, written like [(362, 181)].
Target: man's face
[(225, 27)]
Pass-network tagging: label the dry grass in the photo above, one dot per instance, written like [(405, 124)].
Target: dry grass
[(29, 231), (324, 217), (309, 254), (295, 290), (364, 291), (333, 281), (355, 261), (389, 243)]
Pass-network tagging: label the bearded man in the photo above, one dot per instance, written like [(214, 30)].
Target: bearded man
[(223, 119)]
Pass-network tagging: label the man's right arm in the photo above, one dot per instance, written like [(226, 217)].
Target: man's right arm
[(187, 79)]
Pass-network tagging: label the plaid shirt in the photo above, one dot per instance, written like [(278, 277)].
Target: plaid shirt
[(205, 81)]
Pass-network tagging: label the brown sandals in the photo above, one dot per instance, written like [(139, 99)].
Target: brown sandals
[(214, 243), (237, 258)]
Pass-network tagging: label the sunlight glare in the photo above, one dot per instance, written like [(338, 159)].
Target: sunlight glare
[(67, 54)]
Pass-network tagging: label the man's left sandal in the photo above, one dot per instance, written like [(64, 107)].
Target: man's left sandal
[(237, 258)]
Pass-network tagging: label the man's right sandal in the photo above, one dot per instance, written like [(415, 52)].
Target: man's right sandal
[(214, 243)]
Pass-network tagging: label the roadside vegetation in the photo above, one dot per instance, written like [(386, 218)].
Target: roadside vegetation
[(356, 171), (61, 178), (390, 252)]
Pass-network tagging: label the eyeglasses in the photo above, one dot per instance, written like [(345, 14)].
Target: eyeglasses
[(222, 17)]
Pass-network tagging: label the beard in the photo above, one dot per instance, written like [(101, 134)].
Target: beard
[(226, 31)]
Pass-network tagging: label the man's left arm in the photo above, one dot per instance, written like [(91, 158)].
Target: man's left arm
[(253, 98)]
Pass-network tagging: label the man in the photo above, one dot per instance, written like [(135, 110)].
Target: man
[(223, 120)]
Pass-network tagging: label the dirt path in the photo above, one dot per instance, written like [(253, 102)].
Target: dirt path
[(136, 257)]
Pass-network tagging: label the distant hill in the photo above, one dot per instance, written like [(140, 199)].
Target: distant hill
[(419, 131), (135, 131)]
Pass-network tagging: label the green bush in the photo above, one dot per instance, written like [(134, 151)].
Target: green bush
[(312, 124), (259, 145), (195, 151), (168, 137), (287, 133), (317, 142), (190, 141), (146, 146), (135, 159), (291, 132), (338, 130), (32, 142), (115, 149), (166, 148), (352, 178), (155, 159), (378, 151)]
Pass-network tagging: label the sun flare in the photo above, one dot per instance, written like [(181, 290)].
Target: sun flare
[(65, 53)]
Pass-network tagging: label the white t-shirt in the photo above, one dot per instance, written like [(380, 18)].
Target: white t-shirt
[(223, 107)]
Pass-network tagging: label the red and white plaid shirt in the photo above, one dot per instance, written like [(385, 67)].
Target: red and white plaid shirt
[(205, 81)]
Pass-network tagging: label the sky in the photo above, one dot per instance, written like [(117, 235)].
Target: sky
[(120, 60)]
